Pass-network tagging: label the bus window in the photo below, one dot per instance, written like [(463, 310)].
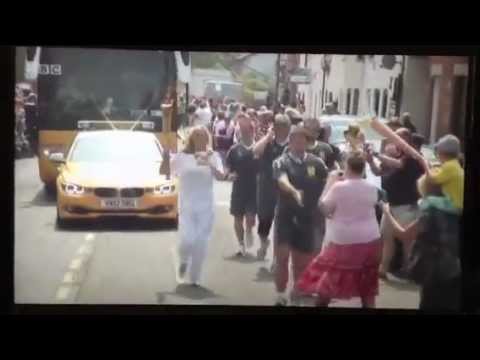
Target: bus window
[(100, 84)]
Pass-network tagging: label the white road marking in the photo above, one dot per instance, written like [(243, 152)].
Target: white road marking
[(76, 272), (90, 237), (82, 250), (69, 278), (62, 293), (76, 264)]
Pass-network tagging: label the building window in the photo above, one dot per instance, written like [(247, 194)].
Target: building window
[(306, 60), (458, 109), (315, 108), (384, 103), (356, 98), (340, 100), (330, 97), (369, 100), (376, 101), (349, 99)]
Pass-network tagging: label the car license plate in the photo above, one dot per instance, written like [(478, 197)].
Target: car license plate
[(119, 204)]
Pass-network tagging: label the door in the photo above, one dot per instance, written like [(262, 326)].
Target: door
[(384, 103), (356, 96), (349, 97), (435, 107), (376, 102), (459, 103)]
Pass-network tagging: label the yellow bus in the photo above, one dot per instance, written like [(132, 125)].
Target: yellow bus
[(76, 84)]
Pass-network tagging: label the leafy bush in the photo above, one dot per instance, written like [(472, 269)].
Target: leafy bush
[(256, 84), (205, 60)]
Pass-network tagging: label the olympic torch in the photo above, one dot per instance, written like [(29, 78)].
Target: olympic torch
[(388, 133)]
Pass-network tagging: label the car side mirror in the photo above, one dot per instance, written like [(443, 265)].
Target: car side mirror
[(57, 158)]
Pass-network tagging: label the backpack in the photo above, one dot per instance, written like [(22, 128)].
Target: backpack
[(434, 254)]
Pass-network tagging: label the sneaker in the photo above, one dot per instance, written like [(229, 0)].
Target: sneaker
[(249, 239), (261, 253), (241, 252), (295, 299), (273, 266), (281, 300), (383, 275)]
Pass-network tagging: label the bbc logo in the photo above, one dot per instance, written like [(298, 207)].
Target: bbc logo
[(47, 69)]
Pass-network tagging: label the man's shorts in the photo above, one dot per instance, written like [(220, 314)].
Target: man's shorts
[(298, 232), (243, 199)]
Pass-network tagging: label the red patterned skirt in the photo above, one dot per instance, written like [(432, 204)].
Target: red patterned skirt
[(343, 271)]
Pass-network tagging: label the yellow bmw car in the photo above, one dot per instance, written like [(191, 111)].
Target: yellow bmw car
[(114, 173)]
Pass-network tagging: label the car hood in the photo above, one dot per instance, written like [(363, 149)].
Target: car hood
[(342, 145), (113, 175)]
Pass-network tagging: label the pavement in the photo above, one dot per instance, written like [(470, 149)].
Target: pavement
[(131, 262)]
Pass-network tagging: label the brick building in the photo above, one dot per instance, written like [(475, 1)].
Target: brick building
[(448, 96), (434, 89)]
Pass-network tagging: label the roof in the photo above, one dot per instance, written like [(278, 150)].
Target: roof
[(226, 82), (115, 133), (345, 118)]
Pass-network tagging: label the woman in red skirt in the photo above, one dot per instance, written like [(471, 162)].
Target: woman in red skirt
[(347, 267)]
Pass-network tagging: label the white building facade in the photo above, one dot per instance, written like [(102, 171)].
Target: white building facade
[(358, 85)]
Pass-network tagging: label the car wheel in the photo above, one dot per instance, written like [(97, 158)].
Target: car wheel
[(62, 223), (175, 223)]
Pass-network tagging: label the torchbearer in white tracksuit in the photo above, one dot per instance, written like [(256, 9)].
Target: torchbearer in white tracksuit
[(195, 166)]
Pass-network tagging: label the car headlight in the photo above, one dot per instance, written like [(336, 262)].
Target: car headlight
[(73, 189), (164, 189)]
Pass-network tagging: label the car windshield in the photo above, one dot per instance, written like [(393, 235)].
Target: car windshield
[(115, 149), (339, 126)]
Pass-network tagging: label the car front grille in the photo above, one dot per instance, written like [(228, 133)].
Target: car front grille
[(106, 192), (131, 192)]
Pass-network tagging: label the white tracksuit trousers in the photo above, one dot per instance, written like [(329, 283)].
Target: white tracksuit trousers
[(195, 230)]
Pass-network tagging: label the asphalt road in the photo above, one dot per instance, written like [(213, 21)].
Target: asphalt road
[(131, 262)]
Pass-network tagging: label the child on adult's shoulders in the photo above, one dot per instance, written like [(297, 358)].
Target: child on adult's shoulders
[(450, 175)]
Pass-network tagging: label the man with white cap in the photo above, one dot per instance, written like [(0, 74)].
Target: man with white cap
[(450, 175)]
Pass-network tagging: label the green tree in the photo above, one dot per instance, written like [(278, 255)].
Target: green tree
[(206, 60)]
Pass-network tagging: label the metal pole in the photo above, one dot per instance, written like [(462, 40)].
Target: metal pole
[(323, 89), (275, 102), (400, 86)]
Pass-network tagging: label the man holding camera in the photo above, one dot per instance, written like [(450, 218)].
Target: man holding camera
[(399, 180)]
